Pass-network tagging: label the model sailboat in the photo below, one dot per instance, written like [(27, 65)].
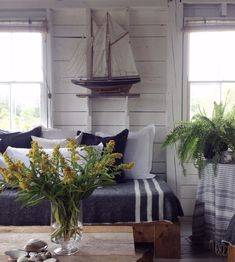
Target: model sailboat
[(109, 64)]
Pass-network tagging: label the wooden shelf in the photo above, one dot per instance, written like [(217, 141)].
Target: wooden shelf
[(109, 95)]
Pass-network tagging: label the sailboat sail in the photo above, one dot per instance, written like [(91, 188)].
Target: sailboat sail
[(99, 53), (110, 59), (122, 59)]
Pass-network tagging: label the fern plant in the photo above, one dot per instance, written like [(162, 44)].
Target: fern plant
[(203, 137)]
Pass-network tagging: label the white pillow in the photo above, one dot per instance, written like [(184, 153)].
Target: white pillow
[(56, 133), (2, 163), (139, 149), (50, 143), (21, 153)]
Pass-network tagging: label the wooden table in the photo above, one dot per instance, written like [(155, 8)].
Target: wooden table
[(99, 243)]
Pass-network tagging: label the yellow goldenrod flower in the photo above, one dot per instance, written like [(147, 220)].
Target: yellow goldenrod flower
[(128, 166), (23, 185), (56, 152), (7, 158), (44, 163), (68, 175), (110, 146)]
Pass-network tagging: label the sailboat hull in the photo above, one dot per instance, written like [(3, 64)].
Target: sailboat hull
[(107, 85)]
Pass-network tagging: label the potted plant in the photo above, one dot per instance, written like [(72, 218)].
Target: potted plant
[(204, 138), (65, 182)]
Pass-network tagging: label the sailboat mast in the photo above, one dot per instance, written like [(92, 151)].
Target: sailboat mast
[(108, 47)]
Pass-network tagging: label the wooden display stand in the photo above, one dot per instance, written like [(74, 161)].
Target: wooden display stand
[(231, 254), (165, 236)]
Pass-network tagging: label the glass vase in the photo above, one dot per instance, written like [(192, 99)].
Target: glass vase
[(66, 226)]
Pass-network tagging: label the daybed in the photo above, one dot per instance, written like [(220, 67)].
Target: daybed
[(146, 202)]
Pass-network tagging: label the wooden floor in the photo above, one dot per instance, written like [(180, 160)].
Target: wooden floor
[(188, 253)]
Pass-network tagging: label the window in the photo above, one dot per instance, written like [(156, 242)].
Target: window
[(211, 74), (21, 80)]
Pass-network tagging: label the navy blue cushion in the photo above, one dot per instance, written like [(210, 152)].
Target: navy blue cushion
[(120, 145), (18, 139)]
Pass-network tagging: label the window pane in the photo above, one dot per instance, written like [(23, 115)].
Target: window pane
[(227, 55), (5, 57), (21, 57), (228, 94), (25, 106), (4, 107), (27, 56), (202, 96), (204, 60), (211, 56)]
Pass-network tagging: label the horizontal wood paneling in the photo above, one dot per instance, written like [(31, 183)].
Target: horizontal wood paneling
[(188, 192), (148, 30), (112, 104), (145, 103), (151, 69), (142, 118), (73, 127), (69, 16), (191, 169), (189, 180), (148, 103), (69, 31), (69, 102), (150, 85), (112, 130), (64, 48), (65, 86), (70, 118), (108, 118), (158, 153), (150, 49), (119, 15), (141, 16), (188, 206)]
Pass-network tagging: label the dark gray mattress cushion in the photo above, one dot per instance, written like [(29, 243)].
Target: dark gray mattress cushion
[(132, 201)]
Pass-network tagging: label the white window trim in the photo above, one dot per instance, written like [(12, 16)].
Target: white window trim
[(23, 17), (186, 89)]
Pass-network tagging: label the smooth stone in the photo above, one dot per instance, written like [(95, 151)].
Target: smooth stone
[(15, 253), (35, 245), (22, 259), (43, 255), (36, 257), (32, 253), (52, 259)]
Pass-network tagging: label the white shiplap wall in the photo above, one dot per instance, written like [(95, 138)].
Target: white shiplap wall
[(148, 31)]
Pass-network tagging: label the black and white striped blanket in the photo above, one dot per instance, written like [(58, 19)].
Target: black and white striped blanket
[(142, 200), (215, 203)]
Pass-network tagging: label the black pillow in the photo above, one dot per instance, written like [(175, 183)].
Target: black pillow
[(4, 135), (18, 139), (120, 144)]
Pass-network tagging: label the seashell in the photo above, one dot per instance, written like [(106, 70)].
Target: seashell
[(15, 253), (52, 259), (35, 245), (22, 259)]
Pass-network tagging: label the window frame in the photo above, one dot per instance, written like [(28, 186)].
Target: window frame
[(186, 82), (44, 101)]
